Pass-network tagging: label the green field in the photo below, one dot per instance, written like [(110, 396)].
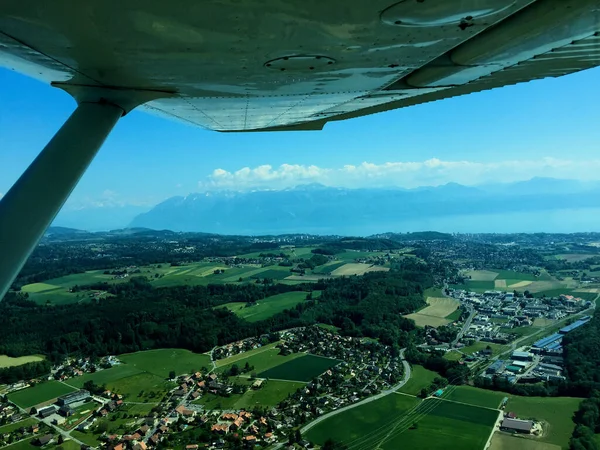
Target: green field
[(481, 345), (356, 425), (510, 275), (476, 397), (267, 307), (261, 361), (15, 426), (389, 424), (442, 425), (8, 361), (454, 315), (300, 369), (453, 356), (556, 411), (270, 394), (143, 387), (160, 362), (275, 274), (245, 355), (22, 445), (420, 378), (329, 267), (104, 376), (40, 393)]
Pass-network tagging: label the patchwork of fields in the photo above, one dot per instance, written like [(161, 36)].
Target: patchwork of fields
[(441, 311), (506, 280), (267, 307)]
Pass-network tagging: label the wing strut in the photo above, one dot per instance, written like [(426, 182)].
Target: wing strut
[(31, 204)]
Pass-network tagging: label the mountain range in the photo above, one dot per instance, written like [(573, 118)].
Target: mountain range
[(540, 204)]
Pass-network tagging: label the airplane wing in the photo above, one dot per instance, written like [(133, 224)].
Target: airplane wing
[(232, 65), (251, 65)]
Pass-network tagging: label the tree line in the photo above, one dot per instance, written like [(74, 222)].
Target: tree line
[(139, 316)]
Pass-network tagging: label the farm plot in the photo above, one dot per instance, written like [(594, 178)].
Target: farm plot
[(267, 307), (40, 393), (481, 275), (555, 412), (300, 369), (401, 421), (269, 394), (476, 397), (105, 376), (261, 361), (435, 314), (420, 378), (439, 422), (160, 362), (357, 269), (356, 427), (503, 441), (8, 361)]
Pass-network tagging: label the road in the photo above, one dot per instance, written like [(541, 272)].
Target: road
[(465, 326), (405, 379)]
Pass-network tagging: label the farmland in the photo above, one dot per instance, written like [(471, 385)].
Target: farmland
[(506, 280), (419, 378), (354, 426), (400, 421), (436, 313), (268, 307), (357, 269), (261, 361), (503, 441), (300, 369), (476, 397), (160, 362), (246, 355), (142, 377), (439, 422), (269, 394), (8, 361), (557, 412), (104, 376), (40, 393), (143, 387)]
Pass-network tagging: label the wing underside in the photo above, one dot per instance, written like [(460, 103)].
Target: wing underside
[(293, 65)]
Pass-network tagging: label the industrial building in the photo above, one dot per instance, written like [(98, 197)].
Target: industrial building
[(576, 324), (46, 412), (495, 367), (73, 397), (522, 356), (552, 342), (517, 425)]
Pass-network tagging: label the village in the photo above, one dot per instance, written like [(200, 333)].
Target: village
[(358, 368)]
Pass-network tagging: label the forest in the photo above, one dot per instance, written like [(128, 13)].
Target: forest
[(139, 316)]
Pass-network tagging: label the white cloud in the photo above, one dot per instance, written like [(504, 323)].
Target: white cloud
[(409, 174)]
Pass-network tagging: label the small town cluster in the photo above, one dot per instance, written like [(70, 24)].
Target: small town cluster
[(360, 368), (496, 316)]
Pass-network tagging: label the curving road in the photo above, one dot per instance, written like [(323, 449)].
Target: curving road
[(405, 379)]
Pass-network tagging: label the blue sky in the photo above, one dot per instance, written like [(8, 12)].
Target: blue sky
[(542, 128)]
